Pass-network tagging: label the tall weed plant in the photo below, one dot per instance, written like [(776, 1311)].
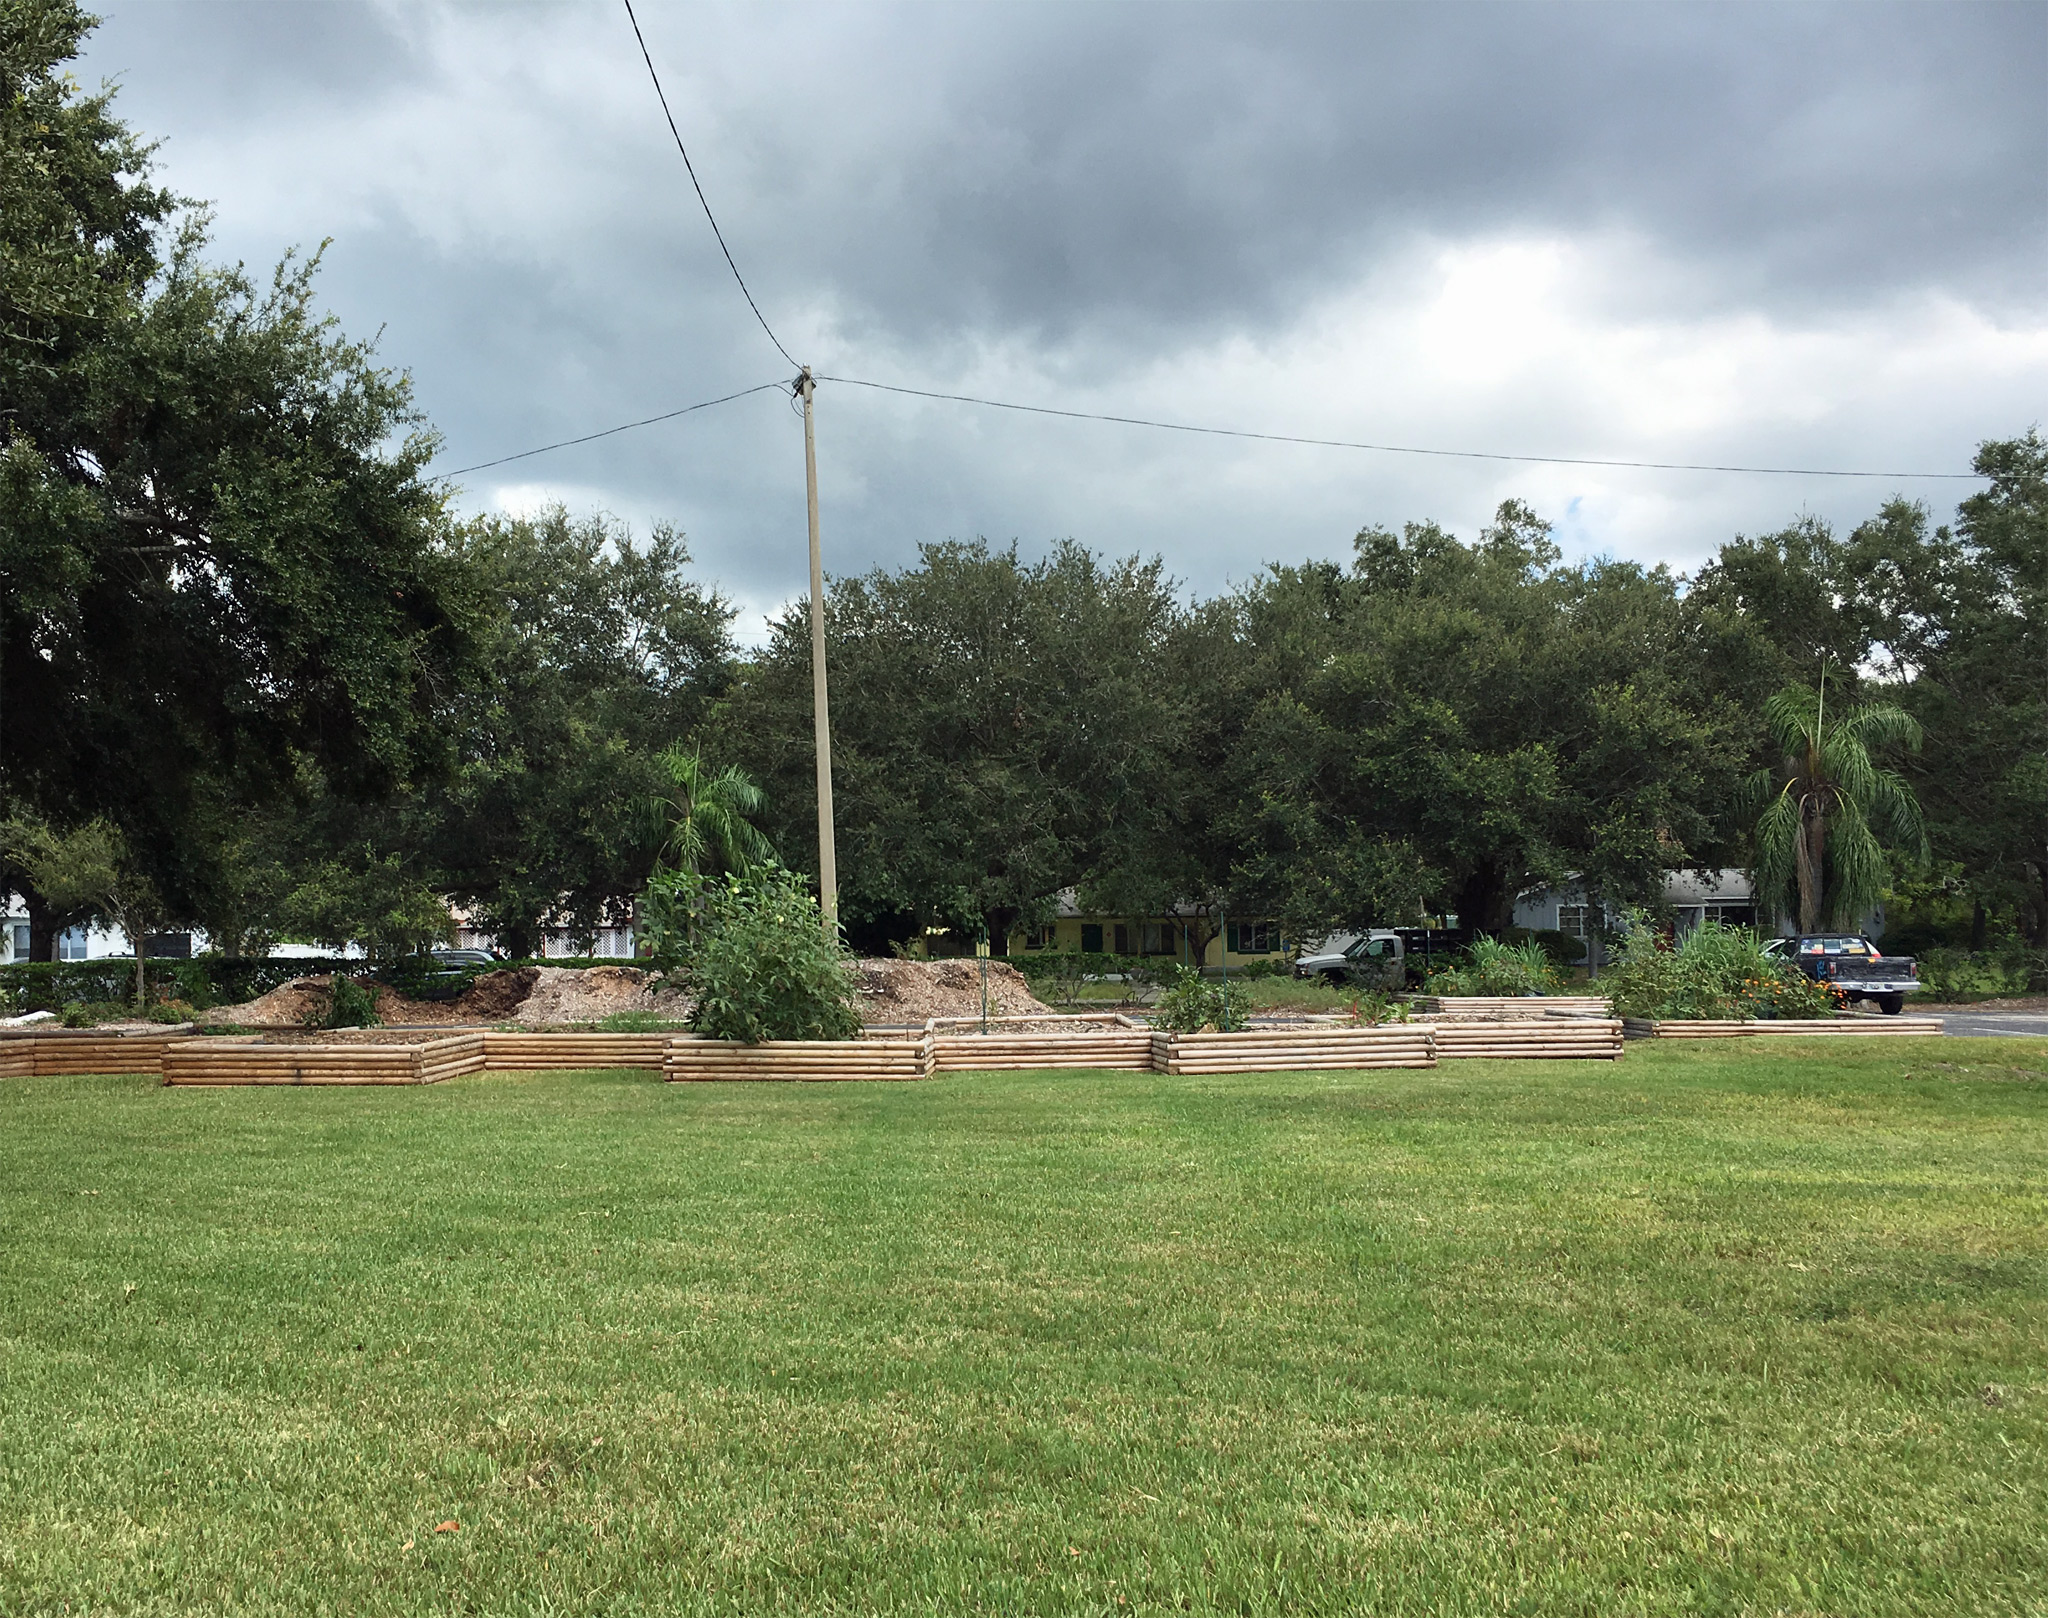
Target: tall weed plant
[(1959, 974), (760, 966), (1714, 972), (1194, 1004), (1491, 967)]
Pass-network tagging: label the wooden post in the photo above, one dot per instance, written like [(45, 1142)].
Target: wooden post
[(821, 711)]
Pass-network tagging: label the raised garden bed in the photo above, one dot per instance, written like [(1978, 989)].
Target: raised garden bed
[(1749, 1028), (691, 1060), (254, 1061), (530, 1053), (1103, 1040), (1276, 1050), (1517, 1005), (69, 1051), (1559, 1038)]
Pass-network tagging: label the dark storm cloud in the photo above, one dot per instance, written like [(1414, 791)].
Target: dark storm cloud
[(1754, 233)]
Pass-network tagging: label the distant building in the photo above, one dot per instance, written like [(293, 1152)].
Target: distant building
[(1169, 937), (1727, 896)]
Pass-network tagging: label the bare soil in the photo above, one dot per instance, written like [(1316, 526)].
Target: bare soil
[(533, 996), (893, 991)]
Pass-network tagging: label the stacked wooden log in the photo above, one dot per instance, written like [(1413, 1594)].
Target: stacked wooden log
[(1523, 1005), (1562, 1038), (1783, 1027), (531, 1053), (693, 1060), (235, 1061), (1288, 1050), (1012, 1044), (73, 1051)]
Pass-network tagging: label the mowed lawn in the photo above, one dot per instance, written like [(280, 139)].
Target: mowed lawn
[(1722, 1328)]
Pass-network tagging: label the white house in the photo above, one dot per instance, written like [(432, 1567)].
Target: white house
[(1727, 896)]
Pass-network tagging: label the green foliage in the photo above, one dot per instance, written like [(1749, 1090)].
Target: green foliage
[(1492, 967), (999, 727), (761, 967), (1956, 974), (88, 871), (370, 900), (351, 1005), (596, 652), (1714, 972), (1826, 814), (1193, 1003)]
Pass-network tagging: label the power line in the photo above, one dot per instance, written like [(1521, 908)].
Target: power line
[(1385, 449), (627, 428), (692, 170)]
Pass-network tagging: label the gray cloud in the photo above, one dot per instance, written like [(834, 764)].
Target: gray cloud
[(1769, 233)]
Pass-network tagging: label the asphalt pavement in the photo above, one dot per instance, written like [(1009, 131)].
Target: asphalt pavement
[(1995, 1024)]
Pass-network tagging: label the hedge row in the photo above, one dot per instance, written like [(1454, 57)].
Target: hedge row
[(225, 980)]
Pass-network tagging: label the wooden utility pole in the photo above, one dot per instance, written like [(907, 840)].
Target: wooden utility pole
[(821, 711)]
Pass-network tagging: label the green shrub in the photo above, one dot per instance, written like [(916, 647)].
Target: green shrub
[(1195, 1003), (1490, 967), (1713, 972), (351, 1005), (171, 1011), (761, 967), (2009, 970)]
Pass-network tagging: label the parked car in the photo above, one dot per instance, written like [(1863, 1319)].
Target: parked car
[(1853, 966), (1396, 956), (464, 960)]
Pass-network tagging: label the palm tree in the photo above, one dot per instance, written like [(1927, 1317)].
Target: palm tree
[(707, 812), (1825, 814)]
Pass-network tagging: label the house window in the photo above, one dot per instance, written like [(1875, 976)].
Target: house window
[(1123, 939), (1155, 938), (71, 945), (1732, 915), (1571, 920), (1254, 937), (1091, 937), (21, 941), (1038, 938)]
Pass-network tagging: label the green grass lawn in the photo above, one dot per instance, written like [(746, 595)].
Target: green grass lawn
[(1724, 1328)]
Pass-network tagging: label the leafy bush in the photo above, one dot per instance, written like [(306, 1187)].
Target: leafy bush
[(1195, 1003), (1713, 972), (1493, 968), (351, 1005), (761, 966), (2012, 969), (171, 1011)]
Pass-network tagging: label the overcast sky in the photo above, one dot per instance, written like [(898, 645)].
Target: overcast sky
[(1780, 235)]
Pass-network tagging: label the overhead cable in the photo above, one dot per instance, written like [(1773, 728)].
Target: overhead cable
[(648, 421), (1384, 449), (691, 169)]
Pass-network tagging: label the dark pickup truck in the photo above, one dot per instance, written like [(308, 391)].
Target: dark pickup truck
[(1852, 966)]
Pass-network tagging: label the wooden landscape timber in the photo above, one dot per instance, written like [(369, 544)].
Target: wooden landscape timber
[(1560, 1038), (1492, 1005), (1100, 1040), (691, 1060), (533, 1053), (1285, 1050), (69, 1052), (240, 1061), (1749, 1028)]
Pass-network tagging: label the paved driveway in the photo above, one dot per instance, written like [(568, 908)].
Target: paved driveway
[(1995, 1024)]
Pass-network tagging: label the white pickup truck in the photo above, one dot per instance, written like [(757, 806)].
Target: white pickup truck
[(1345, 957)]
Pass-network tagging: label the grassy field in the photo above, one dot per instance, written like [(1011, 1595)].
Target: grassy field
[(1721, 1329)]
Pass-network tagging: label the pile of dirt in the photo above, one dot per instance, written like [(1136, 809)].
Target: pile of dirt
[(534, 996), (561, 994), (893, 991)]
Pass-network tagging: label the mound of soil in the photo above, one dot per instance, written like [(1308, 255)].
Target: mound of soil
[(561, 994), (533, 996), (893, 991)]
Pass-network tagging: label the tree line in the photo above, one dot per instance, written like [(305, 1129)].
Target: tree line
[(257, 676)]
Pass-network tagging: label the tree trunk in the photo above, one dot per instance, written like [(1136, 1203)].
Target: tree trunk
[(999, 924), (1812, 833), (45, 926), (1979, 926)]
